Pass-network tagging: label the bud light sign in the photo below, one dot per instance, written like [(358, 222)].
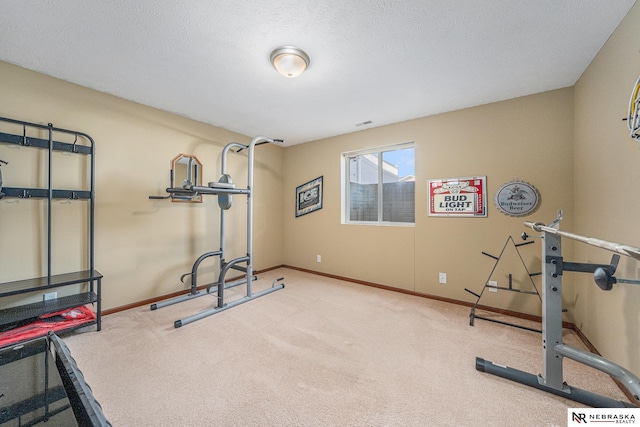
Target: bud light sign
[(462, 197)]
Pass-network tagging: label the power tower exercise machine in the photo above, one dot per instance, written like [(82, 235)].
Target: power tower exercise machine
[(224, 188), (553, 349)]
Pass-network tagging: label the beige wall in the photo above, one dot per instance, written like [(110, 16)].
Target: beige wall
[(530, 138), (569, 143), (142, 246), (607, 198)]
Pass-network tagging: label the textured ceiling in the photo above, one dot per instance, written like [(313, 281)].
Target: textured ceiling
[(382, 61)]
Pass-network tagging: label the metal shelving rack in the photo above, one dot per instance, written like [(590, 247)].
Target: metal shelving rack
[(90, 276)]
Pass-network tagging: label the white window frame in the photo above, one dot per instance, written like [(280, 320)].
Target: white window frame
[(344, 172)]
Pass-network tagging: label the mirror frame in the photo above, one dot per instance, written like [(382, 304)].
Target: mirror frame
[(197, 164)]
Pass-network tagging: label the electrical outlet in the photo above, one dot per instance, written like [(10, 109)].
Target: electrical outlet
[(442, 277), (50, 296), (318, 258), (493, 286)]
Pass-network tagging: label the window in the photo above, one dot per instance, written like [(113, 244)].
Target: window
[(379, 185)]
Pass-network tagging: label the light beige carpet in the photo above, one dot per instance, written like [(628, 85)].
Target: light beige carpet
[(321, 352)]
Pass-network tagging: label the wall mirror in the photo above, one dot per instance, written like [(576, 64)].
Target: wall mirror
[(186, 170)]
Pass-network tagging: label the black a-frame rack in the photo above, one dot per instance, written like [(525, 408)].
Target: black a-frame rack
[(509, 288)]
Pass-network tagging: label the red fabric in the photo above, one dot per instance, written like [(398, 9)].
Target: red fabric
[(69, 318)]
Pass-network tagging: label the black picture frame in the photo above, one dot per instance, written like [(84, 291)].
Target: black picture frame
[(309, 197)]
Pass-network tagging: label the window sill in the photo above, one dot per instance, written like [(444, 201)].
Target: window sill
[(381, 224)]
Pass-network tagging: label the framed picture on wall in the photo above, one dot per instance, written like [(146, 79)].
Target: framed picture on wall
[(309, 197), (458, 197)]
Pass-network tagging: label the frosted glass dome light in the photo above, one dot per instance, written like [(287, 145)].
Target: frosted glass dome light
[(289, 61)]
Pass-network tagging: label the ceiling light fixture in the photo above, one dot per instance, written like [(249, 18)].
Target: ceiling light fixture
[(290, 61)]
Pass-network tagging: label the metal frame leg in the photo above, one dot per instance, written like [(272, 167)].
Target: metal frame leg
[(206, 313)]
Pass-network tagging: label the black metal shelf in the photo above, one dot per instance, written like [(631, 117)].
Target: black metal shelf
[(42, 283), (32, 311), (27, 406)]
